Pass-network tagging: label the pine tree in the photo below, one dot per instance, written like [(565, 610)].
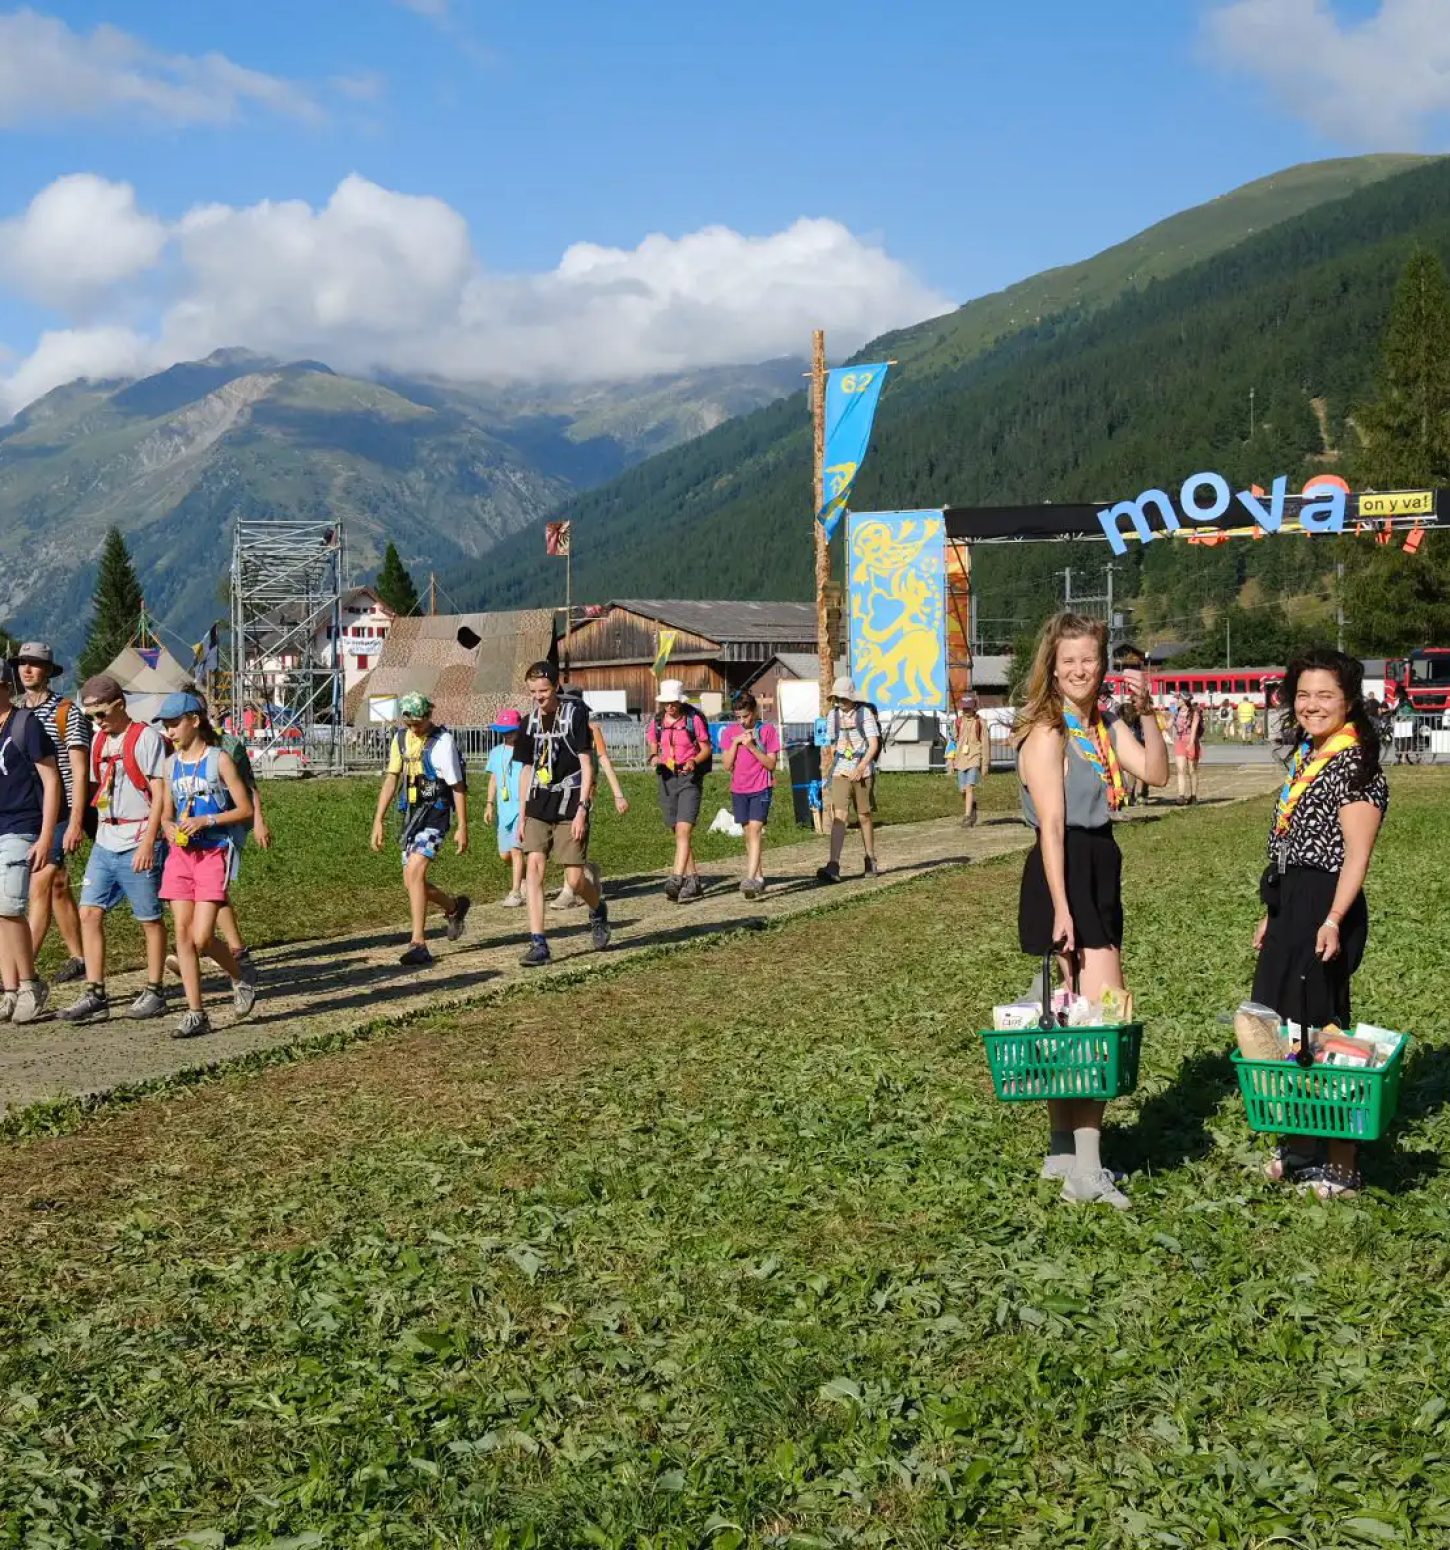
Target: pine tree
[(394, 584), (1393, 600), (116, 609)]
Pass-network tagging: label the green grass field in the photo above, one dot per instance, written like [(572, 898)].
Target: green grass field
[(734, 1247), (320, 877)]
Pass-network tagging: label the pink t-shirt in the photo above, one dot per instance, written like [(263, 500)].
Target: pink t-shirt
[(749, 774)]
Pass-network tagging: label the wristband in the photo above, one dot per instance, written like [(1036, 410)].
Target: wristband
[(1332, 922)]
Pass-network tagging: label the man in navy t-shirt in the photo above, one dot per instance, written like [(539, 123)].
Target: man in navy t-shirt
[(30, 800)]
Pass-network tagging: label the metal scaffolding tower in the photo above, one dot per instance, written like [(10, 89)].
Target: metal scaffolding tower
[(287, 583)]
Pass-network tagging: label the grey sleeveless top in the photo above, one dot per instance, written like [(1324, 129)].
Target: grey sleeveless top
[(1087, 797)]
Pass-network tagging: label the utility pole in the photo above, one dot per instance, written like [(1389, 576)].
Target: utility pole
[(1067, 588), (432, 593), (1112, 618), (1339, 604), (1251, 414), (1228, 644), (824, 645)]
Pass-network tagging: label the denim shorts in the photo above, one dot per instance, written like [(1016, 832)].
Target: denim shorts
[(109, 879), (751, 806), (966, 779), (15, 873)]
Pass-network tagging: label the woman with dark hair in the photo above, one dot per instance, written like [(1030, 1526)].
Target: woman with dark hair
[(1315, 927), (1071, 759)]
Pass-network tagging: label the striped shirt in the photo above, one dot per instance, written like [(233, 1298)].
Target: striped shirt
[(77, 735)]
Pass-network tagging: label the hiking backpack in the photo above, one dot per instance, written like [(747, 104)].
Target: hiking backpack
[(126, 759), (702, 766), (439, 799)]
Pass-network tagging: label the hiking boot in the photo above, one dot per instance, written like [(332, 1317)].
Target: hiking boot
[(30, 1001), (1098, 1189), (246, 968), (148, 1004), (416, 957), (93, 1007), (192, 1026), (870, 868), (461, 906), (537, 955), (599, 928), (673, 884), (830, 873), (512, 900), (244, 998), (692, 888), (71, 970), (7, 1004)]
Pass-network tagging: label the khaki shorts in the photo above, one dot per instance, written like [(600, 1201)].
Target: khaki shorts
[(845, 792), (556, 840)]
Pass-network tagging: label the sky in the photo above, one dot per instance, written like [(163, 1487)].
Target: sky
[(579, 191)]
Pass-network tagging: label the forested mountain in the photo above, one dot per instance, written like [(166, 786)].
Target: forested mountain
[(1096, 402)]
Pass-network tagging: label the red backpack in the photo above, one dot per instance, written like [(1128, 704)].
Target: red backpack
[(101, 780)]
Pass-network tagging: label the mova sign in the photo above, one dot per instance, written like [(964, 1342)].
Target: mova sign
[(1205, 499)]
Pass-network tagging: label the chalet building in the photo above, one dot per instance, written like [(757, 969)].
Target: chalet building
[(719, 649)]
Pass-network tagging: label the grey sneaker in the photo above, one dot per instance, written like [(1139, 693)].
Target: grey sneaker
[(692, 888), (1061, 1168), (673, 884), (1099, 1189), (512, 900), (71, 970), (148, 1004), (830, 873), (93, 1007), (192, 1026), (244, 998), (870, 868), (599, 928), (537, 955), (461, 906), (30, 1001), (246, 968), (565, 899), (7, 1005)]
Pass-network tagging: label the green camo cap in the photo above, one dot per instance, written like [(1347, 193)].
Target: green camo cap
[(413, 707)]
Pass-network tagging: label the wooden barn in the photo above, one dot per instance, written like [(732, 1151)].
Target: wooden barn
[(720, 647)]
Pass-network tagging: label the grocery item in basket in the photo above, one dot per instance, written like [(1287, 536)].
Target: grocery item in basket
[(1341, 1050), (1256, 1028), (1016, 1015)]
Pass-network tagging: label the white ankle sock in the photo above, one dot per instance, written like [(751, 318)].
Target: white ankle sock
[(1086, 1143)]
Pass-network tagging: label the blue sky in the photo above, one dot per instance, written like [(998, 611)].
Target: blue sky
[(974, 144)]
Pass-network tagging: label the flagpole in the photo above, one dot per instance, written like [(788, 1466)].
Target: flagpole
[(824, 646), (568, 598)]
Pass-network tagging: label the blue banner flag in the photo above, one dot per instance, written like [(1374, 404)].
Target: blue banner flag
[(896, 572), (851, 395)]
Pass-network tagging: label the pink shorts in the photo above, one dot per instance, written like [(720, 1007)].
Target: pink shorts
[(196, 876)]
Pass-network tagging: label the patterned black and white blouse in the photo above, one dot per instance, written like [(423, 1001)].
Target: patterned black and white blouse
[(1315, 838)]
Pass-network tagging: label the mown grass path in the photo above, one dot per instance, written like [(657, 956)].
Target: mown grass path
[(736, 1247)]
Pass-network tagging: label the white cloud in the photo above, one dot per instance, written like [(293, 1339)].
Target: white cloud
[(364, 86), (437, 9), (1375, 84), (78, 238), (375, 279), (49, 73)]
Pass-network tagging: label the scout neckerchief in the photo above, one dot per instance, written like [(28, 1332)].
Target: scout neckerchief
[(1096, 746), (1306, 768)]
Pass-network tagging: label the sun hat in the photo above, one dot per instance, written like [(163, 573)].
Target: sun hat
[(175, 706), (101, 690), (671, 690), (413, 707), (507, 721), (844, 688), (37, 653)]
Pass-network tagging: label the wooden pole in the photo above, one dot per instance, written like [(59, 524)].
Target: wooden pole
[(568, 599), (824, 644), (432, 593)]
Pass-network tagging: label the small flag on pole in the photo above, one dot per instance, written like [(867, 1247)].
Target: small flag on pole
[(664, 647), (556, 538), (206, 656)]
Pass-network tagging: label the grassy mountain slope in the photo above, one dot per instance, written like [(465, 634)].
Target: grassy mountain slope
[(1080, 406), (445, 471)]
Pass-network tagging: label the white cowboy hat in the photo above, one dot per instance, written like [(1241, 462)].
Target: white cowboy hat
[(844, 689), (671, 690)]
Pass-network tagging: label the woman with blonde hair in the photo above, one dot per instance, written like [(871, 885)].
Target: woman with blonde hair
[(1071, 759)]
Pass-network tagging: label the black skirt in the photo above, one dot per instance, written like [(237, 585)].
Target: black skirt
[(1297, 903), (1094, 866)]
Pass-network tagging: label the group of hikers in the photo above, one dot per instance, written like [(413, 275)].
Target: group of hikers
[(168, 813)]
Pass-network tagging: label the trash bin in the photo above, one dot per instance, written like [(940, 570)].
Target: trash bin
[(803, 760)]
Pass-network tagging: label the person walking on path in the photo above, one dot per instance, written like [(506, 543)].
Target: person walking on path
[(973, 756), (750, 751), (205, 807), (1247, 716), (1071, 759), (503, 802), (566, 898), (128, 763), (557, 784), (678, 741), (848, 772), (1187, 746), (426, 775), (30, 806), (63, 720), (1315, 926)]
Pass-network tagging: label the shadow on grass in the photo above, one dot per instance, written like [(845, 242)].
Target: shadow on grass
[(1172, 1126), (1424, 1091)]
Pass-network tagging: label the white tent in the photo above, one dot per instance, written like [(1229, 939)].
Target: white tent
[(147, 674)]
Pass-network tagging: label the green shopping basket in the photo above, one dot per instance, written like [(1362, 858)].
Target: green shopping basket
[(1031, 1064), (1340, 1103)]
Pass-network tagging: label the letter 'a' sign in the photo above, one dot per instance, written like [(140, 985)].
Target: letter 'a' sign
[(1207, 500)]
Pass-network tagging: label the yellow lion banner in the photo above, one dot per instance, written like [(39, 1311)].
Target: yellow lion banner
[(896, 579)]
